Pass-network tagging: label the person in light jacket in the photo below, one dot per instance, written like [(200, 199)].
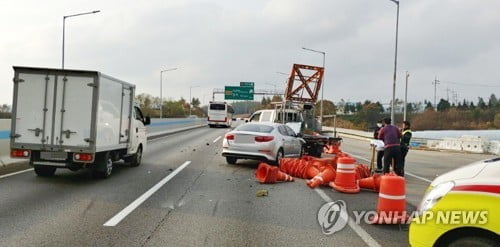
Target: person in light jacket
[(380, 153)]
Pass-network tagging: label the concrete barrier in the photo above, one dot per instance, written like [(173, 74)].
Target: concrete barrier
[(4, 142), (448, 143), (494, 147), (474, 144)]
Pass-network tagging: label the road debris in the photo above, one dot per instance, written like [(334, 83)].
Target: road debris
[(261, 193)]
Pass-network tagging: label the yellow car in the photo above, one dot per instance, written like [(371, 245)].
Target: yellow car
[(460, 208)]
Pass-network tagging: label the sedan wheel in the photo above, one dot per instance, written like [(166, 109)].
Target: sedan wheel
[(279, 156)]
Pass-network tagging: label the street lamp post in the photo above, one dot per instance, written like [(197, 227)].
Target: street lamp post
[(406, 95), (161, 90), (64, 29), (190, 100), (284, 97), (395, 62), (323, 86)]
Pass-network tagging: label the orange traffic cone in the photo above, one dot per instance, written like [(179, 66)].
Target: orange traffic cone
[(345, 179), (362, 171), (325, 177), (372, 183), (267, 174), (310, 171), (391, 207), (281, 176)]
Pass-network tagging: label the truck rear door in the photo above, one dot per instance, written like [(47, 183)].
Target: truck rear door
[(33, 108), (73, 111), (52, 109)]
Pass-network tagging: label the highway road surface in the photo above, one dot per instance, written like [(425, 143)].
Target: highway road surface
[(184, 194)]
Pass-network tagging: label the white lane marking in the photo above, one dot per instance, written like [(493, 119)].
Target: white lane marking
[(419, 177), (406, 173), (216, 139), (15, 173), (132, 206), (366, 237)]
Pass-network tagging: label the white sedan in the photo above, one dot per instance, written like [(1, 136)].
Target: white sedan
[(261, 141)]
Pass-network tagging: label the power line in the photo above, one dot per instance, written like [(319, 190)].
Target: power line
[(471, 84)]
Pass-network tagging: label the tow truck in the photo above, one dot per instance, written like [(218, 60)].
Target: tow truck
[(297, 109)]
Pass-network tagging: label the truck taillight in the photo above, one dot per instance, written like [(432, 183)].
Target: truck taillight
[(20, 153), (264, 138), (229, 137), (83, 157), (225, 119), (208, 118)]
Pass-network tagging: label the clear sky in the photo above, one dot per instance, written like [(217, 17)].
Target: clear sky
[(222, 42)]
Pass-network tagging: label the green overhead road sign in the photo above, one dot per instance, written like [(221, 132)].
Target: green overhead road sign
[(247, 84), (238, 93)]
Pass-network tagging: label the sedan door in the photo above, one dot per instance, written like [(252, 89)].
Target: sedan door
[(286, 140), (295, 143)]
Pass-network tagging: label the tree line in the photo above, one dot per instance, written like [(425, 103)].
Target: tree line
[(150, 106), (462, 115)]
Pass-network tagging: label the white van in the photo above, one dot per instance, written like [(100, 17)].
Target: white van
[(75, 119), (220, 114)]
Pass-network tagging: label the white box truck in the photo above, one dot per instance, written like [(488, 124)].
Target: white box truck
[(75, 119)]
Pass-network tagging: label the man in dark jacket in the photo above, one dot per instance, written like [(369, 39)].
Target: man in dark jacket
[(405, 140), (391, 136), (380, 154)]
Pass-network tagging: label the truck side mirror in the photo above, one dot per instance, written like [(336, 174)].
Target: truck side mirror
[(147, 121)]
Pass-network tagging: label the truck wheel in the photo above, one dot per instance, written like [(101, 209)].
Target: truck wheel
[(45, 171), (103, 165), (231, 160), (135, 160)]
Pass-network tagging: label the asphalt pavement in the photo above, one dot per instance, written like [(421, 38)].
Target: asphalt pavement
[(184, 194)]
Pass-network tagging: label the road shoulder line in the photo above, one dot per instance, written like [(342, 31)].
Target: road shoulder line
[(216, 139), (15, 173)]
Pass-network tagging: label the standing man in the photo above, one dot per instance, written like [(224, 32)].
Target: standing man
[(380, 150), (391, 136), (405, 140)]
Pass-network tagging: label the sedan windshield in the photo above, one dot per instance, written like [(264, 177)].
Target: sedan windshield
[(255, 128)]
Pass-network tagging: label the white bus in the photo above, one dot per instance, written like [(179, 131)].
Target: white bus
[(220, 114)]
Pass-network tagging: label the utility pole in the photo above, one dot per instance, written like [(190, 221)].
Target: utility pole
[(454, 96), (447, 96), (435, 82), (406, 95)]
